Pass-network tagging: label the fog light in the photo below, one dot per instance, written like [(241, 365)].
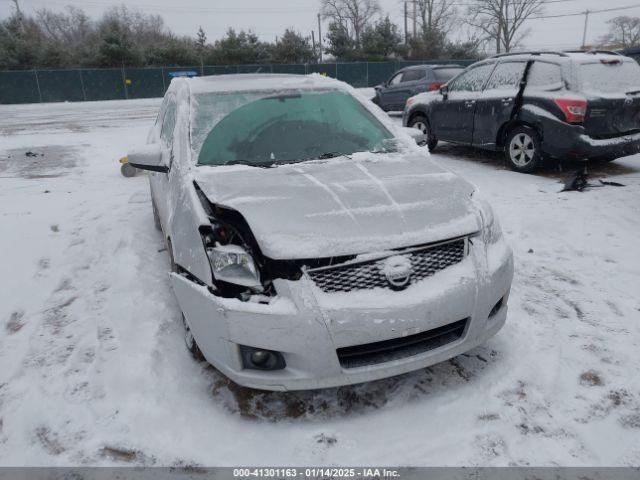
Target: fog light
[(260, 359)]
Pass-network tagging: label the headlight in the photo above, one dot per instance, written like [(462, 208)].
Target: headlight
[(232, 264)]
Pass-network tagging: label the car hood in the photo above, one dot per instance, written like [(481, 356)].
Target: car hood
[(345, 206)]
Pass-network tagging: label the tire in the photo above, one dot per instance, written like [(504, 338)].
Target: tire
[(156, 217), (421, 123), (128, 170), (191, 343), (189, 339), (522, 150)]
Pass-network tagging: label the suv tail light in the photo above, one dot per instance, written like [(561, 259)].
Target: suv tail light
[(434, 86), (574, 110)]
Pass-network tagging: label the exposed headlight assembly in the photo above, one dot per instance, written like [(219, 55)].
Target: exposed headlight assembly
[(233, 264), (491, 230)]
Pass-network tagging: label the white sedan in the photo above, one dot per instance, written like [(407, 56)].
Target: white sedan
[(313, 244)]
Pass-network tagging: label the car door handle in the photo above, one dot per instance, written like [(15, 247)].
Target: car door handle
[(469, 103), (507, 101)]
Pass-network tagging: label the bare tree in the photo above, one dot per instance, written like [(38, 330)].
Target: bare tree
[(354, 15), (16, 5), (18, 12), (435, 16), (624, 32), (71, 29), (502, 20)]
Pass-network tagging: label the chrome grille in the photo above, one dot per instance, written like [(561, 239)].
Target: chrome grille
[(368, 274)]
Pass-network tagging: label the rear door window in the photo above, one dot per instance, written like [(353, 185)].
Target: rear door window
[(545, 76), (414, 75), (610, 76), (472, 80), (507, 76)]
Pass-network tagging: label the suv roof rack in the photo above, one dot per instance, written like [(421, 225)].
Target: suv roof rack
[(509, 54), (594, 52)]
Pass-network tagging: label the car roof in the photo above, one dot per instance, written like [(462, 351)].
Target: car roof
[(559, 57), (259, 82), (433, 67)]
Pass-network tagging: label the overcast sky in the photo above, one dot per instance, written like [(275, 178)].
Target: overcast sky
[(269, 18)]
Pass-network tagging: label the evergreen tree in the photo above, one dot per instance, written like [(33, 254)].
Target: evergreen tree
[(340, 43), (381, 41), (292, 48)]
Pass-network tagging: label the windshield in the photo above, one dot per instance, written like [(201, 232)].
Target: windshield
[(266, 128), (618, 77)]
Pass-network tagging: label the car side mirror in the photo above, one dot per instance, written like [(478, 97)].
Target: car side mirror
[(148, 157), (444, 90)]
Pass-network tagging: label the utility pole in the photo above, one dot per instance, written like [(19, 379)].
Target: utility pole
[(415, 17), (320, 36), (313, 42), (406, 32), (584, 32), (499, 34)]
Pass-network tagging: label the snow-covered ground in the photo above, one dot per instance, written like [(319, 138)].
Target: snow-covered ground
[(94, 369)]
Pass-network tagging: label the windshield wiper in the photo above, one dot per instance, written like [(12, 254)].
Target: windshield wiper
[(383, 150), (327, 155), (249, 163), (322, 156)]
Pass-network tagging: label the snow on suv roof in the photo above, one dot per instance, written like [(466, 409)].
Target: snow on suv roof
[(579, 56), (259, 81)]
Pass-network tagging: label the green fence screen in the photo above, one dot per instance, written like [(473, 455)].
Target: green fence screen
[(76, 85)]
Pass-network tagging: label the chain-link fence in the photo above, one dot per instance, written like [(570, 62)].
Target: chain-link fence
[(32, 86)]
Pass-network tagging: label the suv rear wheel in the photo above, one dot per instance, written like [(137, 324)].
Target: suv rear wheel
[(422, 124), (522, 149)]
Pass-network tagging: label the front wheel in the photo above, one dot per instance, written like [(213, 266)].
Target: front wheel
[(422, 124), (522, 150), (191, 343)]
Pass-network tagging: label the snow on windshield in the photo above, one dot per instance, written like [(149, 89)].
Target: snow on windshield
[(619, 77), (274, 127), (210, 108)]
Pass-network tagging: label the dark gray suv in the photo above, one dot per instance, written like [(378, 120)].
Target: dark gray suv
[(393, 94), (533, 105)]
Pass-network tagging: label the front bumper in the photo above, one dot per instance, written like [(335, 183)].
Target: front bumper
[(308, 326)]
